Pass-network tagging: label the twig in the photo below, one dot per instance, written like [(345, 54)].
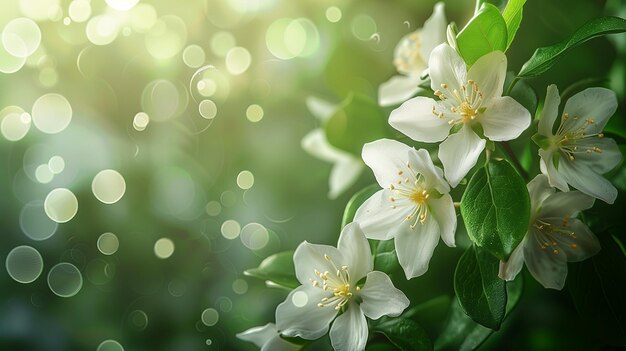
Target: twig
[(509, 151)]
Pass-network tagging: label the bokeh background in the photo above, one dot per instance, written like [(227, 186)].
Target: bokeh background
[(198, 106)]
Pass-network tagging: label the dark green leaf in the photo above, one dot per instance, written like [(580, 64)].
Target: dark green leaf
[(521, 92), (544, 58), (404, 333), (356, 201), (512, 15), (278, 269), (597, 287), (385, 259), (357, 121), (481, 293), (484, 33), (496, 208), (462, 333)]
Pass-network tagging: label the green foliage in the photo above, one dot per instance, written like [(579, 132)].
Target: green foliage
[(512, 15), (544, 58), (404, 333), (358, 121), (496, 208), (385, 259), (356, 201), (521, 92), (484, 33), (462, 333), (481, 293), (278, 269), (597, 288)]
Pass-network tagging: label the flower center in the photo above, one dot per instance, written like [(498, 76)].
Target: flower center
[(407, 57), (465, 105), (548, 232), (570, 134), (337, 283), (410, 191)]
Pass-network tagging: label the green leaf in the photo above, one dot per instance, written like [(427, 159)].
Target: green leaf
[(356, 201), (462, 333), (481, 293), (358, 120), (597, 287), (544, 58), (385, 259), (484, 33), (521, 92), (278, 269), (404, 333), (512, 15), (496, 208)]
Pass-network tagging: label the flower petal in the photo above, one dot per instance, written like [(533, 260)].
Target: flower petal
[(578, 246), (550, 111), (539, 189), (421, 163), (599, 104), (308, 321), (511, 268), (381, 297), (309, 257), (321, 109), (546, 164), (378, 219), (548, 268), (316, 144), (386, 157), (433, 31), (504, 119), (398, 89), (446, 67), (343, 175), (259, 335), (356, 251), (349, 331), (586, 180), (567, 204), (601, 162), (459, 154), (443, 211), (489, 72), (415, 247), (415, 119)]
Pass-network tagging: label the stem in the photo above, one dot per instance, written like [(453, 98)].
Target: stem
[(510, 88), (457, 205), (509, 151)]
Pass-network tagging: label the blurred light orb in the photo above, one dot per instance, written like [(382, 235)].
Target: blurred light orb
[(67, 21), (99, 271), (228, 198), (56, 164), (163, 248), (79, 10), (65, 280), (245, 180), (221, 42), (9, 63), (34, 222), (252, 6), (21, 37), (102, 29), (238, 60), (48, 77), (230, 229), (61, 205), (254, 113), (161, 100), (142, 18), (110, 345), (15, 123), (300, 299), (39, 10), (210, 317), (139, 319), (51, 113), (194, 56), (207, 109), (108, 186), (166, 38), (43, 174), (288, 38), (363, 27), (213, 208), (141, 121), (122, 5), (240, 286), (212, 83), (225, 304), (254, 236), (333, 14), (108, 244), (24, 264)]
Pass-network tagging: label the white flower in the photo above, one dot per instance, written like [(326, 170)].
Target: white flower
[(466, 99), (413, 207), (329, 287), (411, 58), (554, 235), (346, 167), (578, 153), (267, 338)]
